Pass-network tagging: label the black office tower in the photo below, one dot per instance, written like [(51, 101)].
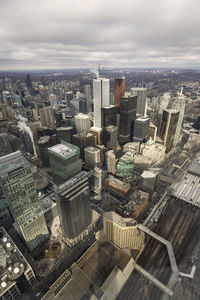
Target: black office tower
[(127, 118), (29, 85), (108, 115), (141, 129), (73, 203), (110, 134)]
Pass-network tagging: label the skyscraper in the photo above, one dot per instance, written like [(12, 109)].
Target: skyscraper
[(119, 90), (77, 106), (87, 92), (141, 94), (168, 127), (92, 156), (108, 115), (5, 144), (17, 182), (73, 203), (127, 118), (141, 129), (68, 98), (47, 117), (163, 104), (82, 122), (179, 105), (29, 85), (65, 161), (101, 90)]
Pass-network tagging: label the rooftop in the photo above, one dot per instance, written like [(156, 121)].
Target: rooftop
[(62, 150), (188, 189), (89, 275), (142, 119), (12, 262), (91, 149), (122, 222), (194, 167), (12, 161), (64, 128)]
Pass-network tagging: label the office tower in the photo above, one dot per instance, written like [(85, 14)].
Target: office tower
[(141, 94), (14, 269), (73, 203), (179, 105), (83, 140), (164, 103), (29, 85), (5, 144), (68, 98), (47, 117), (97, 179), (150, 180), (77, 106), (53, 100), (34, 126), (35, 114), (27, 142), (65, 161), (123, 232), (92, 156), (127, 118), (65, 134), (43, 144), (141, 129), (61, 116), (87, 92), (110, 134), (168, 127), (18, 186), (108, 115), (119, 90), (152, 131), (101, 95), (82, 122), (97, 132), (103, 151), (111, 161)]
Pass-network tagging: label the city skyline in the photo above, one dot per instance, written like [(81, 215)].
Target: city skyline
[(52, 35)]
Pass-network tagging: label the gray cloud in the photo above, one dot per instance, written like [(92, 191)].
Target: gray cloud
[(66, 33)]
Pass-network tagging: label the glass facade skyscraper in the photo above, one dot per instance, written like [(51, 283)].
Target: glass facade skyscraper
[(74, 208), (18, 185)]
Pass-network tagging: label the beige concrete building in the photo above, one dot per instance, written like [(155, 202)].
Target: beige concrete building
[(123, 232), (47, 117)]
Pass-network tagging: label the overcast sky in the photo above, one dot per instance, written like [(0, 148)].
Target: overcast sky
[(117, 33)]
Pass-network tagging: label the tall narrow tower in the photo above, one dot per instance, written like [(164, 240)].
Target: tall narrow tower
[(168, 127), (141, 94), (101, 94), (179, 105)]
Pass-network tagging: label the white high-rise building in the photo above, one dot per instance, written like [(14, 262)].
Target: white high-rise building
[(101, 94), (53, 100), (141, 94), (82, 122)]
